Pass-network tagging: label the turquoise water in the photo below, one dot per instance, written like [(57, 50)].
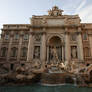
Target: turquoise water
[(40, 88)]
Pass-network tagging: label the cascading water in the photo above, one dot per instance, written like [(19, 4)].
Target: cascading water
[(75, 81)]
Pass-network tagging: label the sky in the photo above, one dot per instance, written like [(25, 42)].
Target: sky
[(20, 11)]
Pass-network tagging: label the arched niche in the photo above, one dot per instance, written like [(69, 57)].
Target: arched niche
[(55, 50)]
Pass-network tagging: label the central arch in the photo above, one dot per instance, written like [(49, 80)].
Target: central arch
[(55, 49)]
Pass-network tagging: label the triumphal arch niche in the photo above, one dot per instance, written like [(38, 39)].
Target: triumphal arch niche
[(55, 49), (55, 38)]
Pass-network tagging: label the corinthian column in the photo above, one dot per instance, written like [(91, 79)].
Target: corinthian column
[(43, 49), (19, 47), (90, 41), (1, 41), (9, 47), (62, 53), (80, 45), (67, 46), (30, 47)]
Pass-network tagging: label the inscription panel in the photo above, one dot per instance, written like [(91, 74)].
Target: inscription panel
[(55, 22)]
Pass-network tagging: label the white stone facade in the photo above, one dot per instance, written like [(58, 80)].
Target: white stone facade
[(46, 34)]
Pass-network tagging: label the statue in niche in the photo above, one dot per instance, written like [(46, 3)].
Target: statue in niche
[(37, 37), (36, 64), (74, 52), (55, 59), (37, 52)]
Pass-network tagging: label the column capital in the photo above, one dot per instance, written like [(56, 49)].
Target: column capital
[(21, 33), (66, 30), (79, 29)]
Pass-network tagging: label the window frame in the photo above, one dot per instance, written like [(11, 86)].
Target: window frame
[(26, 36), (6, 37), (16, 36), (5, 54), (12, 51)]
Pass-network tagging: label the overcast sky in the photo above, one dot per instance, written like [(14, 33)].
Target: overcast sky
[(19, 11)]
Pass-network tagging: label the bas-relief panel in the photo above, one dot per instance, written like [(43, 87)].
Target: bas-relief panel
[(73, 21), (37, 37)]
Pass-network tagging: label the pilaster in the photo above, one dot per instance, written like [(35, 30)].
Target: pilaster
[(9, 47), (90, 41), (19, 47), (80, 45), (1, 41), (30, 47), (67, 45), (43, 48)]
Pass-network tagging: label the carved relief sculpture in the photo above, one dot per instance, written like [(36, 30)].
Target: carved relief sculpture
[(37, 52), (37, 37), (44, 21), (55, 11)]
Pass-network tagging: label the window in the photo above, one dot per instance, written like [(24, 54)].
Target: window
[(3, 51), (24, 52), (16, 37), (14, 52), (85, 36), (6, 36), (26, 36)]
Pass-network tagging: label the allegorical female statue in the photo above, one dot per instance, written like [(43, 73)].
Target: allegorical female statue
[(74, 52)]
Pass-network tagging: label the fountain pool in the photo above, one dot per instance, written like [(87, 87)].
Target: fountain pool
[(41, 88)]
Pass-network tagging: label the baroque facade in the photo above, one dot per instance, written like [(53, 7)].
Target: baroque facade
[(48, 39)]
